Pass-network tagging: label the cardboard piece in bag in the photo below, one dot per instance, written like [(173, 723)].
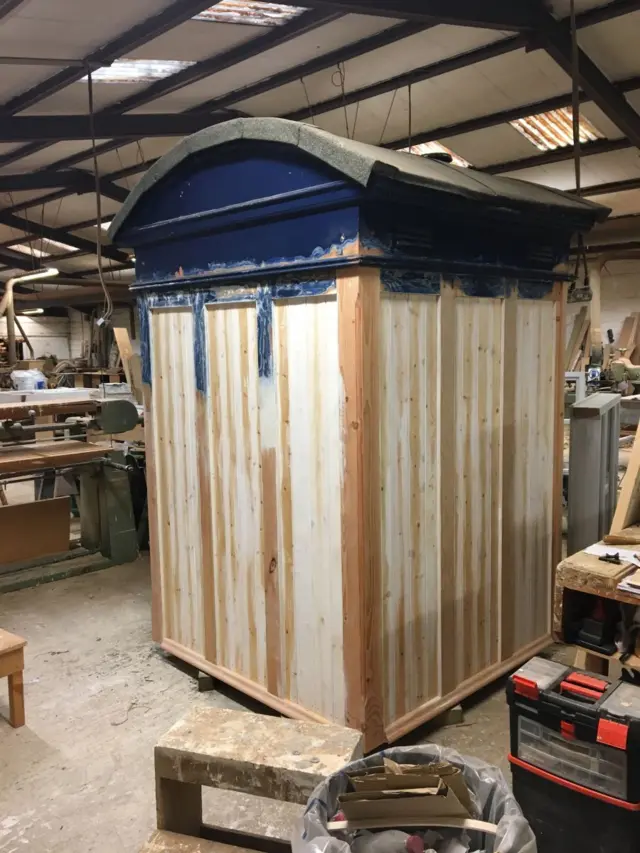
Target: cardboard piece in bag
[(407, 791)]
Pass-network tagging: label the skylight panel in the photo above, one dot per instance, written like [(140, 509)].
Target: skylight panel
[(548, 131)]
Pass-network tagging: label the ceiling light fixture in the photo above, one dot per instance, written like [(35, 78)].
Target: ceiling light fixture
[(28, 311)]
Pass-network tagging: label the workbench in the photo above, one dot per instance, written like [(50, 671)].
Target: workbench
[(582, 574)]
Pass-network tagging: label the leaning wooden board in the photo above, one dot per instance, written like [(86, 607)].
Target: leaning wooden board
[(36, 529)]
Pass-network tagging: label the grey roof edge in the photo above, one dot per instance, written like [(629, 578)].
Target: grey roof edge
[(358, 160)]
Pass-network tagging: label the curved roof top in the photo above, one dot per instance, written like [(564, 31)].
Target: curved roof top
[(359, 161)]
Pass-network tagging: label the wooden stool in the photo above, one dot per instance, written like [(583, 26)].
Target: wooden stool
[(11, 665), (240, 751)]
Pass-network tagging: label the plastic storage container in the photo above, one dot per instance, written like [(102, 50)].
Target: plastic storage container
[(575, 758)]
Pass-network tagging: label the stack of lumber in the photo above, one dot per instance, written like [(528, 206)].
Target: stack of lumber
[(579, 345), (629, 338)]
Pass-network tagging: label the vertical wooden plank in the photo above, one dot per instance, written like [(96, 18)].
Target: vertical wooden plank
[(236, 489), (409, 500), (358, 332), (270, 568), (285, 503), (447, 486), (157, 433), (309, 475), (175, 425), (267, 395), (157, 632), (560, 298), (509, 529), (206, 527), (478, 393)]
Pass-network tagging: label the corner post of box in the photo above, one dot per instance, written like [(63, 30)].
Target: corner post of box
[(358, 334), (157, 625)]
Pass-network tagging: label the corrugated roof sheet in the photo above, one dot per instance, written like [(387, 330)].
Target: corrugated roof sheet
[(548, 131), (251, 12)]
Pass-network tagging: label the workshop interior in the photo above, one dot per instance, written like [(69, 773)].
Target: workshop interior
[(320, 426)]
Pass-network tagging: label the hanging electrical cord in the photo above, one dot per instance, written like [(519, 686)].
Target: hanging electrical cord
[(355, 121), (108, 302), (341, 76), (581, 256), (386, 121), (310, 108)]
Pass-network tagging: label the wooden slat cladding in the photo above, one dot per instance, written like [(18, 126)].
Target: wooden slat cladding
[(467, 419), (478, 440), (409, 470), (236, 490), (308, 480), (533, 466), (176, 464)]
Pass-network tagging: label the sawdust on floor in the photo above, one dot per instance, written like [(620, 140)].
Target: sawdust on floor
[(78, 778)]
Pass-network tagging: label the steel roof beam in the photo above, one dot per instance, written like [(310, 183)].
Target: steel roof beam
[(76, 127), (37, 229), (71, 181), (16, 260), (8, 6), (418, 75), (555, 38), (169, 18), (205, 68), (445, 66), (611, 187), (613, 9), (559, 155), (491, 14)]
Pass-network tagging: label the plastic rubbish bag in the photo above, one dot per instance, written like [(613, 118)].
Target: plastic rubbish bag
[(491, 798), (28, 380)]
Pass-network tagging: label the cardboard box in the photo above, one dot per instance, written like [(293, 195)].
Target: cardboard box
[(406, 791)]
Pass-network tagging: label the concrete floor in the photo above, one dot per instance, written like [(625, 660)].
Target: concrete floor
[(78, 778)]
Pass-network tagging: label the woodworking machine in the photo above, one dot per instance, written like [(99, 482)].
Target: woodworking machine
[(73, 459)]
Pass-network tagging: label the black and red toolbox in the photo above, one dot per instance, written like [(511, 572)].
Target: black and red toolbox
[(575, 758)]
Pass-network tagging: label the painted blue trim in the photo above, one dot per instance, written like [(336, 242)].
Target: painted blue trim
[(534, 289), (488, 287), (407, 281), (256, 274), (264, 316), (197, 301), (145, 342), (301, 289)]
